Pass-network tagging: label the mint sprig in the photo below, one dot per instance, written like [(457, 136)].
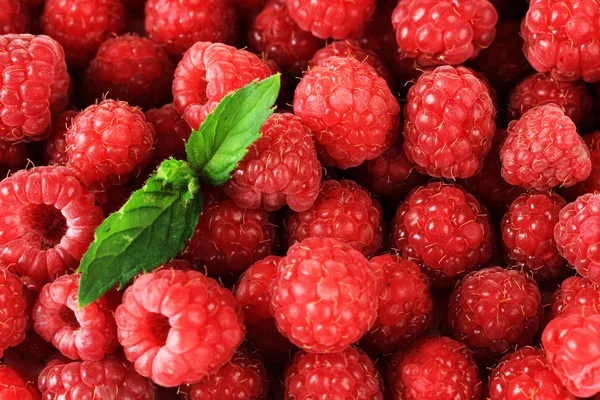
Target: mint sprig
[(154, 224)]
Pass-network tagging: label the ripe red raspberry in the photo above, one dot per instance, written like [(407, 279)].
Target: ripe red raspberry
[(526, 374), (34, 87), (14, 316), (434, 368), (445, 229), (345, 375), (543, 150), (592, 183), (325, 295), (528, 234), (55, 147), (49, 219), (12, 387), (449, 122), (350, 109), (439, 32), (129, 68), (109, 143), (178, 326), (14, 18), (572, 344), (207, 73), (343, 211), (181, 23), (88, 333), (171, 132), (81, 27), (379, 36), (241, 378), (13, 157), (495, 310), (336, 19), (106, 379), (574, 295), (405, 305)]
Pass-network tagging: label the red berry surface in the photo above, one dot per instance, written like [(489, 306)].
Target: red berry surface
[(324, 297), (13, 157), (574, 295), (12, 387), (55, 147), (249, 5), (592, 183), (14, 316), (14, 18), (171, 132)]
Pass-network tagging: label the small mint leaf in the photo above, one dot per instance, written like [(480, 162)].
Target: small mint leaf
[(224, 137), (151, 228)]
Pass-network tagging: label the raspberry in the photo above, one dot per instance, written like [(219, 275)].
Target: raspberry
[(345, 375), (445, 229), (543, 150), (14, 17), (325, 295), (573, 97), (81, 26), (444, 31), (12, 386), (55, 148), (252, 294), (528, 234), (561, 38), (108, 378), (592, 183), (449, 123), (13, 157), (435, 368), (495, 310), (49, 219), (240, 378), (14, 315), (577, 235), (181, 23), (132, 69), (343, 211), (379, 36), (526, 374), (405, 305), (29, 358), (350, 109), (336, 19), (178, 326), (574, 295), (207, 73), (88, 333), (34, 87), (171, 133), (572, 344), (249, 5), (277, 36), (109, 143)]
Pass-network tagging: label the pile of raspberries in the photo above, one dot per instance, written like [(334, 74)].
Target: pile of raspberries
[(420, 219)]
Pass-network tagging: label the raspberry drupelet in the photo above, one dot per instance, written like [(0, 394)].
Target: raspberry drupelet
[(449, 122), (343, 211), (592, 183), (574, 295), (14, 18), (171, 132), (178, 326), (55, 147), (350, 110), (324, 297), (207, 73), (49, 219), (34, 88), (12, 387), (14, 317), (13, 157), (445, 230)]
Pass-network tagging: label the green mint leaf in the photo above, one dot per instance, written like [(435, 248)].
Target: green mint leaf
[(224, 137), (151, 228)]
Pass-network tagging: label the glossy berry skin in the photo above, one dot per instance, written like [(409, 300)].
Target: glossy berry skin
[(592, 183), (345, 375), (324, 297), (343, 211), (34, 86), (49, 219), (574, 295), (543, 150), (335, 19), (528, 234), (81, 26), (444, 31), (132, 69), (281, 168), (524, 375), (434, 368), (12, 387), (207, 73), (171, 133), (109, 143), (350, 110), (178, 326), (108, 379), (88, 334), (55, 147), (13, 157), (14, 317), (445, 229), (561, 38), (495, 310), (15, 17), (405, 305), (449, 123), (572, 344), (539, 89)]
